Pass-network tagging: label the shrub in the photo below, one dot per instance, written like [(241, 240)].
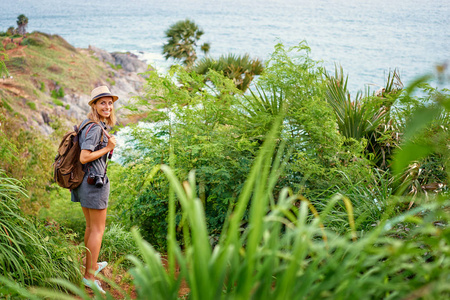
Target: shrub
[(33, 41), (11, 31), (58, 102), (57, 93), (32, 105), (10, 46), (115, 67)]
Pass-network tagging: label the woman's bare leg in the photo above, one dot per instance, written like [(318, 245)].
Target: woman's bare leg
[(93, 240), (87, 232)]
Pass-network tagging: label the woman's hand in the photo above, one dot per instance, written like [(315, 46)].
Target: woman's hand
[(88, 155), (111, 143)]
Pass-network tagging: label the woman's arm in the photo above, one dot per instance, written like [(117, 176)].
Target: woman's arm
[(88, 156)]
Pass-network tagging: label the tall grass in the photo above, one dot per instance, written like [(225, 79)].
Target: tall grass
[(117, 243), (30, 252)]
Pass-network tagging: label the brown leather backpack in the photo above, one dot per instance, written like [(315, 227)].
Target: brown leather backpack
[(67, 168)]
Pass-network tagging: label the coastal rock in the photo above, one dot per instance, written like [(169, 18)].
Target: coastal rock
[(129, 62), (102, 55)]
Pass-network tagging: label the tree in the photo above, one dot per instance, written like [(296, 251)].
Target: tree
[(182, 42), (22, 22), (11, 30), (240, 69)]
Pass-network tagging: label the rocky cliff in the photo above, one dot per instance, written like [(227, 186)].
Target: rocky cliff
[(50, 81)]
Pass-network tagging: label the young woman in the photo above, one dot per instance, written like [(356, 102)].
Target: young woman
[(93, 193)]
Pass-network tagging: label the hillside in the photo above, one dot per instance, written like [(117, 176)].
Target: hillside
[(51, 80)]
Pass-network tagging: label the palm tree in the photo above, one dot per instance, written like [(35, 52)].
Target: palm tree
[(366, 117), (240, 69), (182, 42), (22, 22)]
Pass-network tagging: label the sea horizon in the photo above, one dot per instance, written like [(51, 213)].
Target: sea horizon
[(367, 39)]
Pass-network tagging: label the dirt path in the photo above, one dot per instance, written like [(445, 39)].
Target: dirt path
[(124, 282)]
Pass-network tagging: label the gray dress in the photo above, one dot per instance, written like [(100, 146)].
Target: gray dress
[(88, 195)]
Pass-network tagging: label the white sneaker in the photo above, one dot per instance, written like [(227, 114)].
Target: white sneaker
[(101, 266), (96, 283)]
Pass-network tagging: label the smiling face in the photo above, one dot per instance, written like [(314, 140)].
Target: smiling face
[(104, 106)]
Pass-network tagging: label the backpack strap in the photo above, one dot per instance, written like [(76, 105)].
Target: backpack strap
[(103, 130), (80, 128)]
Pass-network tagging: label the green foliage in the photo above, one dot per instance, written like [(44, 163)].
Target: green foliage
[(58, 102), (33, 41), (36, 154), (32, 105), (283, 255), (31, 253), (285, 252), (10, 46), (61, 211), (116, 244), (114, 66), (240, 69), (111, 81), (217, 131), (3, 69), (11, 31), (57, 94), (422, 162), (355, 119)]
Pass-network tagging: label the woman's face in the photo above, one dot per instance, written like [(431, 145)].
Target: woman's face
[(104, 107)]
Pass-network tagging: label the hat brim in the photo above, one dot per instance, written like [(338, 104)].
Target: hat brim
[(103, 95)]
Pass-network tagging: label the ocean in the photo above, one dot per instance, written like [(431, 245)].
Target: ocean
[(367, 38)]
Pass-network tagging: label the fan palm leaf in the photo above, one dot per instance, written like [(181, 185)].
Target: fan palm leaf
[(356, 119)]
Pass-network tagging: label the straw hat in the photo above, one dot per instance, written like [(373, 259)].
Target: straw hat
[(101, 91)]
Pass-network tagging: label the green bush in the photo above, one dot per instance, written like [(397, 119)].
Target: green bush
[(10, 46), (58, 102), (33, 41), (32, 105), (58, 93), (115, 67), (218, 126)]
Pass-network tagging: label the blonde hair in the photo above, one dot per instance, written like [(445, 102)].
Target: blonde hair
[(94, 116)]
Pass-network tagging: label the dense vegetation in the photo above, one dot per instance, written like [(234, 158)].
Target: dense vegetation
[(211, 127), (292, 190)]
